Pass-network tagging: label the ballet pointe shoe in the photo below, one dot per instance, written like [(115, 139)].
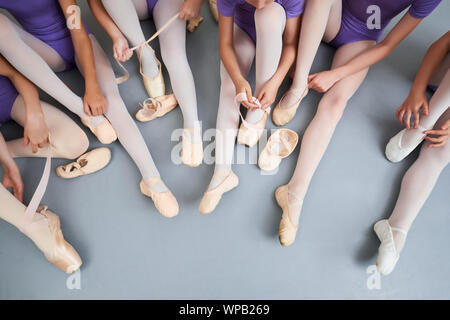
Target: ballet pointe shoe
[(282, 116), (270, 158), (164, 202), (287, 230), (194, 23), (395, 152), (213, 8), (250, 136), (153, 108), (155, 86), (192, 151), (63, 255), (211, 198), (387, 252), (104, 132), (88, 163)]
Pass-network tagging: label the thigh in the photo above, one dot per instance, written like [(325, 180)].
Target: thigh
[(141, 7), (334, 21)]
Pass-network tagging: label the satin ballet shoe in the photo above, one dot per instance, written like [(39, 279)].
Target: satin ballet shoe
[(212, 197), (287, 230), (155, 86), (192, 151), (282, 116), (104, 132), (63, 255), (165, 202), (387, 252), (395, 152), (250, 136), (88, 163), (194, 23), (213, 8), (279, 146), (153, 108)]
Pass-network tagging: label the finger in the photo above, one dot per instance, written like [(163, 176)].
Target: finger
[(416, 119), (408, 119), (436, 145), (435, 132), (435, 140), (87, 110), (26, 141), (34, 148), (425, 109), (401, 115), (249, 94)]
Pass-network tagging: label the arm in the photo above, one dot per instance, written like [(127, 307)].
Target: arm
[(35, 129), (11, 177), (417, 98), (190, 9), (323, 81), (94, 101), (229, 59), (121, 48), (288, 54)]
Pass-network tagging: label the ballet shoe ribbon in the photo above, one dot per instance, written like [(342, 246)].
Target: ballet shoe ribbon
[(140, 47), (242, 96), (33, 207)]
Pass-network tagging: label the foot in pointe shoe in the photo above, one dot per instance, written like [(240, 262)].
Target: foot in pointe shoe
[(164, 202), (250, 136), (287, 230), (192, 151), (104, 132), (62, 255), (283, 114), (153, 108), (155, 86), (212, 197)]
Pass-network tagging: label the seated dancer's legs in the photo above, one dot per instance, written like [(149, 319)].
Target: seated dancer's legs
[(321, 21), (173, 51), (227, 115), (126, 16), (127, 131), (68, 140), (35, 60), (320, 131), (269, 45), (417, 184)]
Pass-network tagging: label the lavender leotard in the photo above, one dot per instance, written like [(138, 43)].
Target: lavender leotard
[(45, 20), (354, 17), (151, 4), (244, 13)]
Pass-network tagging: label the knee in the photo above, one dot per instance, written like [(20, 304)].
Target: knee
[(272, 13), (70, 141), (332, 107)]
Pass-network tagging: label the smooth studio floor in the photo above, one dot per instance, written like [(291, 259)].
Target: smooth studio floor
[(130, 251)]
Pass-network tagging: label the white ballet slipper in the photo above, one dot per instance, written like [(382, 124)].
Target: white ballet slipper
[(194, 23), (165, 202), (104, 132), (192, 147), (287, 230), (387, 252), (212, 197), (153, 108), (283, 115), (279, 146), (394, 150), (88, 163)]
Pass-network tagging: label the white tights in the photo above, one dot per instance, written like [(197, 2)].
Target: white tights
[(126, 15), (268, 53)]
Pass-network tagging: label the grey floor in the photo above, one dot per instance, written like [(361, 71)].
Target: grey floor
[(130, 251)]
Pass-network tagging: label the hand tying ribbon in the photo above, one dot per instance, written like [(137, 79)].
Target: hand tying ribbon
[(240, 97)]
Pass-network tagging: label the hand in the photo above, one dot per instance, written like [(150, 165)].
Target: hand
[(35, 132), (121, 49), (190, 10), (95, 103), (12, 179), (268, 94), (323, 81), (441, 136), (411, 106), (244, 86)]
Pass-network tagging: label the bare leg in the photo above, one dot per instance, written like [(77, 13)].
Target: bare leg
[(320, 131), (321, 21), (227, 115), (68, 140)]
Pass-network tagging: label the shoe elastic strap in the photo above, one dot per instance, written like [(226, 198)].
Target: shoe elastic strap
[(27, 220), (126, 76), (153, 101), (240, 97), (281, 139), (405, 233)]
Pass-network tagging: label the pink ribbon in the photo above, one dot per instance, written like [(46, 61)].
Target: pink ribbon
[(240, 97)]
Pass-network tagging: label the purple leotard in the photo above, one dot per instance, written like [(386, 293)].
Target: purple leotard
[(244, 13), (151, 4), (45, 20), (354, 17)]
